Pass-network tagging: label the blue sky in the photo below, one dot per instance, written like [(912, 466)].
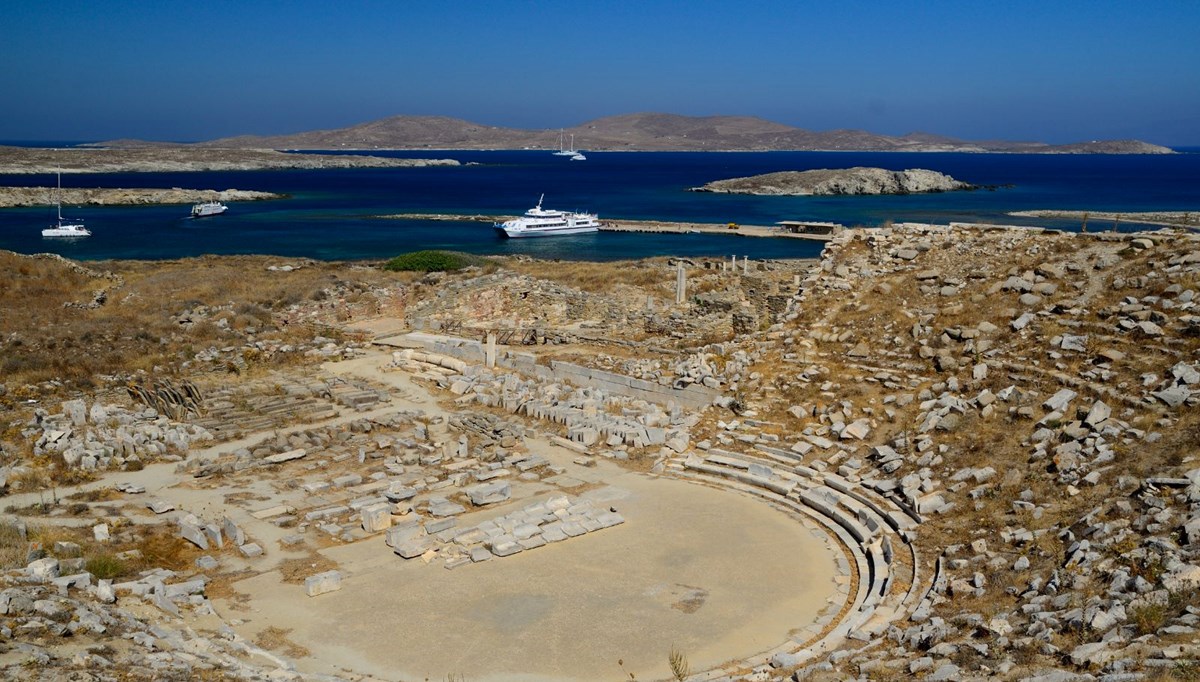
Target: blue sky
[(1051, 71)]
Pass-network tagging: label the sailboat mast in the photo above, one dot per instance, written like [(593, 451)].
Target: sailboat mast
[(58, 196)]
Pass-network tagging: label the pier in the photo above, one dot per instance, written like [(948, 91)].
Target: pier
[(790, 229)]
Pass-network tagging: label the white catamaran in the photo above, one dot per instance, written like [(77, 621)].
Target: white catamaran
[(541, 222), (64, 229)]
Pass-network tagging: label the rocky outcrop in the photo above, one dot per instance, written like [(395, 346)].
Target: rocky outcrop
[(44, 196), (855, 181), (173, 159)]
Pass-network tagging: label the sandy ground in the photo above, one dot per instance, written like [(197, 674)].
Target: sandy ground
[(711, 573)]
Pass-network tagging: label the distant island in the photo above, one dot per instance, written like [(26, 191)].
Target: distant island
[(841, 181), (171, 159), (636, 132), (45, 196)]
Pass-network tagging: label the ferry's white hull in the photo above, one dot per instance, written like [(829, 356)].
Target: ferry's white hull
[(204, 211), (516, 233)]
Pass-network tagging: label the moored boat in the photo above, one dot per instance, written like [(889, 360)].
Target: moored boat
[(541, 222), (62, 228), (208, 208)]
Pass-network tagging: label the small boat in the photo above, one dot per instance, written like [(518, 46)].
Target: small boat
[(562, 151), (541, 222), (208, 208), (579, 157), (64, 229)]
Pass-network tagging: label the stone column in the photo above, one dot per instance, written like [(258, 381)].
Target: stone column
[(490, 350), (680, 284), (745, 265)]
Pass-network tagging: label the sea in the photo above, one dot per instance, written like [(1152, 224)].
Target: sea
[(335, 214)]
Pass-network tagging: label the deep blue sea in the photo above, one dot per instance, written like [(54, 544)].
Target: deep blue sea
[(330, 212)]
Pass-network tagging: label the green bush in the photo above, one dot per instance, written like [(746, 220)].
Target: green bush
[(433, 261), (105, 567)]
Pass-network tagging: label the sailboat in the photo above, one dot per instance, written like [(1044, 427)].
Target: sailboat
[(576, 155), (561, 151), (64, 229)]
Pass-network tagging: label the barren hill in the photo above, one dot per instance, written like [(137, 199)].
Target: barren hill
[(643, 132)]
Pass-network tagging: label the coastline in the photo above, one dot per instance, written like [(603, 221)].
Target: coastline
[(29, 161), (19, 197), (1185, 219)]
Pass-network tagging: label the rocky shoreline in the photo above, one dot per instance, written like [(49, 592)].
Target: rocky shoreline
[(12, 197), (1189, 219), (28, 160), (842, 181)]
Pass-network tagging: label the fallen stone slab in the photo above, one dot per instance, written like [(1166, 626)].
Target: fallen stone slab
[(414, 547), (1174, 396), (443, 507), (376, 518), (269, 512), (438, 525), (285, 456), (159, 506), (489, 493), (323, 583), (43, 569), (233, 532), (193, 534), (1059, 401)]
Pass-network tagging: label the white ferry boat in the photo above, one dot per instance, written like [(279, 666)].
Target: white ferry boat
[(541, 222), (208, 208), (64, 229)]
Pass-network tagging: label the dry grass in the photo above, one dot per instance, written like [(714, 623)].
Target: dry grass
[(133, 330), (97, 495), (160, 548), (276, 639), (601, 277), (13, 547), (294, 571)]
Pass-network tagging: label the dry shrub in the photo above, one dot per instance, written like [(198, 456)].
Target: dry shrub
[(275, 639), (160, 549), (294, 571), (96, 495), (13, 546)]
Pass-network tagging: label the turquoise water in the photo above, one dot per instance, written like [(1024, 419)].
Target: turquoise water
[(330, 214)]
